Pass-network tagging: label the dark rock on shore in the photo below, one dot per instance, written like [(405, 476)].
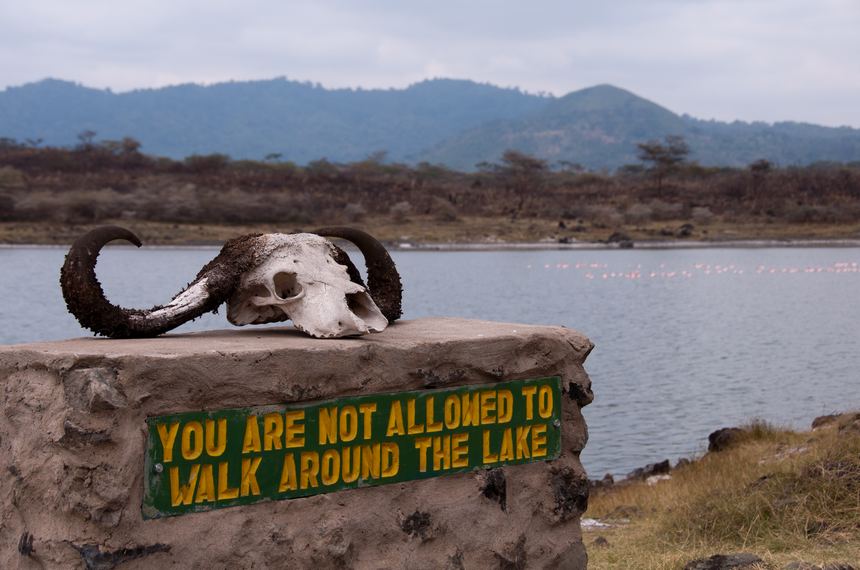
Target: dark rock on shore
[(724, 438), (684, 461), (724, 562), (845, 423), (643, 473), (607, 481), (618, 237), (822, 421), (686, 230)]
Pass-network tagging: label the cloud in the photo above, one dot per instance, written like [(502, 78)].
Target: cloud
[(726, 59)]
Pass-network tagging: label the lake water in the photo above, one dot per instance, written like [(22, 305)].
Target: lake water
[(687, 341)]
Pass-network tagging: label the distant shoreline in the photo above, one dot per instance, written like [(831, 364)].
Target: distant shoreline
[(537, 246), (670, 244)]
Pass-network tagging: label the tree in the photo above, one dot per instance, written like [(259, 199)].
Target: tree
[(663, 158), (87, 139), (522, 174), (759, 170), (130, 145)]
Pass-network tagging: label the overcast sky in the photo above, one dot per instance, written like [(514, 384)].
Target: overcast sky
[(725, 59)]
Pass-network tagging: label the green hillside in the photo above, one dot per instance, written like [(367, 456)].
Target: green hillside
[(457, 123), (299, 121), (599, 127)]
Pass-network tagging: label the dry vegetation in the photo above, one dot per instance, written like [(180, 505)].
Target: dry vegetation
[(781, 495), (50, 194)]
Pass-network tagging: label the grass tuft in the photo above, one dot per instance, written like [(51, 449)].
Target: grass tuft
[(782, 495)]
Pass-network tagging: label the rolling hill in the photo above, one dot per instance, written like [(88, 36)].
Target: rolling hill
[(458, 123)]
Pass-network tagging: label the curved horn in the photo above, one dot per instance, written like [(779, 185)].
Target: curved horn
[(86, 300), (383, 280)]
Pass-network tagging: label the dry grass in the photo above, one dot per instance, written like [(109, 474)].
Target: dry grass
[(781, 495)]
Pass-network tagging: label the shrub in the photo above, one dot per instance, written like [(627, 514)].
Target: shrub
[(638, 213), (604, 216), (666, 210), (11, 177), (205, 163), (702, 215), (443, 210), (400, 212), (354, 212)]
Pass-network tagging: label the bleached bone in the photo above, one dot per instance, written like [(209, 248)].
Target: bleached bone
[(299, 280), (263, 278)]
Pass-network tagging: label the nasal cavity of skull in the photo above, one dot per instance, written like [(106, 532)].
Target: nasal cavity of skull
[(359, 304), (286, 285)]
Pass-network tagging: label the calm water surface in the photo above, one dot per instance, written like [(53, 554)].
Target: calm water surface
[(687, 341)]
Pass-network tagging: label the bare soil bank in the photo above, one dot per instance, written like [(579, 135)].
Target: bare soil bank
[(470, 233)]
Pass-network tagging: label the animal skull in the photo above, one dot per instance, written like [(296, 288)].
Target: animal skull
[(262, 278), (301, 281)]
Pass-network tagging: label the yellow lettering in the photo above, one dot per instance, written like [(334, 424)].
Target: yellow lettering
[(351, 465), (506, 406), (348, 423), (248, 485), (370, 461), (422, 444), (288, 474), (328, 425), (251, 441), (471, 409), (428, 408), (452, 411), (539, 440), (206, 486), (488, 404), (330, 471), (522, 442), (214, 449), (395, 420), (390, 459), (183, 494), (545, 402), (487, 455), (507, 451), (412, 428), (367, 411), (441, 452), (225, 492), (273, 431), (460, 450), (294, 431), (192, 451), (310, 461), (168, 438), (529, 395)]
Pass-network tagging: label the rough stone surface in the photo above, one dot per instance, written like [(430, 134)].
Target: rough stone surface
[(725, 562), (72, 437), (643, 473), (724, 438)]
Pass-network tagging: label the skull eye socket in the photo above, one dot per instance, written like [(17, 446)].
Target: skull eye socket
[(359, 305), (286, 285)]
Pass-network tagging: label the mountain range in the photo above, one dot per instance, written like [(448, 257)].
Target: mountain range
[(458, 123)]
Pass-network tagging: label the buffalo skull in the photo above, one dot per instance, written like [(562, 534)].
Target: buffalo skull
[(263, 278)]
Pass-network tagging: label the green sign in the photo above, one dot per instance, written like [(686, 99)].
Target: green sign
[(197, 461)]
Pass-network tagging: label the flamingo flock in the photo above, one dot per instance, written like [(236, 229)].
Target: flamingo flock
[(603, 271)]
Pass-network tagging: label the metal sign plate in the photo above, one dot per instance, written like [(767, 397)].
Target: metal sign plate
[(198, 461)]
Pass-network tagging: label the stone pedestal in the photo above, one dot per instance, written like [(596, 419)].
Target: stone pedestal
[(73, 435)]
